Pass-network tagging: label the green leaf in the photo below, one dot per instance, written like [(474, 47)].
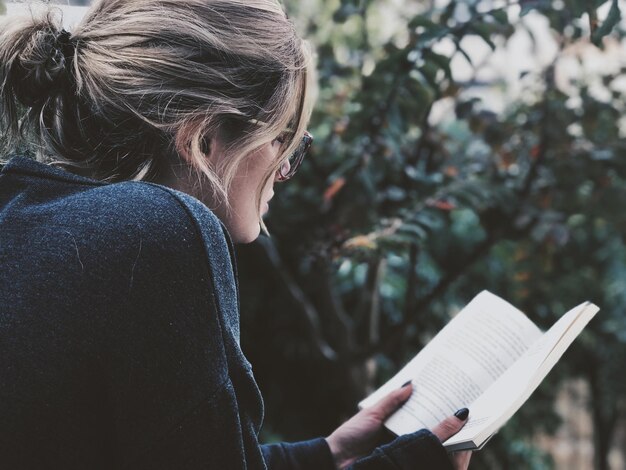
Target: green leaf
[(425, 219), (530, 5), (500, 16), (422, 21), (3, 9), (347, 9), (431, 34), (448, 12), (612, 19), (413, 230), (484, 31), (431, 31), (429, 72), (463, 52), (442, 61)]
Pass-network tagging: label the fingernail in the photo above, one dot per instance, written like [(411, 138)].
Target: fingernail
[(462, 414), (408, 382)]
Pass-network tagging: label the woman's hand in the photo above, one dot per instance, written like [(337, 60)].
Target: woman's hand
[(360, 435), (448, 428)]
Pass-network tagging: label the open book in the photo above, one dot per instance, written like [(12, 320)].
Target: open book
[(489, 358)]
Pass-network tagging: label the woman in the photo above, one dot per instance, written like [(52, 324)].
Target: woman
[(119, 333)]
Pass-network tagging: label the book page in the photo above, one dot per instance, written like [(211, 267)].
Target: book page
[(514, 387), (460, 363)]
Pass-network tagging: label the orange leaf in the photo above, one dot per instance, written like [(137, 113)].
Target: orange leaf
[(451, 171), (333, 189), (441, 205), (360, 241), (341, 126), (535, 151), (522, 276)]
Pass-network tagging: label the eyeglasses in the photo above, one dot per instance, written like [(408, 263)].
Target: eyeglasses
[(291, 165)]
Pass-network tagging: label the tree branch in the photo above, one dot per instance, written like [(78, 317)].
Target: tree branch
[(374, 313), (337, 323), (411, 282), (397, 332), (543, 137)]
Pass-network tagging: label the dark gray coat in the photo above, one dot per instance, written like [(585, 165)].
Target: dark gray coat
[(119, 336)]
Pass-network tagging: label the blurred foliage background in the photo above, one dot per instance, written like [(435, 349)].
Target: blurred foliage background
[(431, 180)]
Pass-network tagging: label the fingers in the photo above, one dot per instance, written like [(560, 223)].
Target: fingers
[(387, 405), (461, 460), (451, 425)]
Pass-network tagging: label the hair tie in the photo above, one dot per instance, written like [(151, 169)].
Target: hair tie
[(48, 70), (67, 45)]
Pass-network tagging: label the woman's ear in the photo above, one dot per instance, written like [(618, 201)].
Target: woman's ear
[(194, 142), (200, 149)]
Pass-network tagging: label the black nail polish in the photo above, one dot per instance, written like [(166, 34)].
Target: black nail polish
[(462, 414), (408, 382)]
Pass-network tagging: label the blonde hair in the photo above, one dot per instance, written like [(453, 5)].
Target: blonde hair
[(140, 81)]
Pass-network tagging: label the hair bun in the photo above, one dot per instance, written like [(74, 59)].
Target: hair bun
[(42, 66)]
